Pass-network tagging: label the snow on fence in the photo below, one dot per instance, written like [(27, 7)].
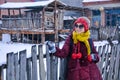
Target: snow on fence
[(48, 67)]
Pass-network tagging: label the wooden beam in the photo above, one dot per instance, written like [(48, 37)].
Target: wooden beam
[(32, 32)]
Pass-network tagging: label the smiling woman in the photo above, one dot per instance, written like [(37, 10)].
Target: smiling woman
[(80, 51)]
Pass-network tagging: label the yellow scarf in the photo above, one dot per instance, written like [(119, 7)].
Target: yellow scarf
[(83, 37)]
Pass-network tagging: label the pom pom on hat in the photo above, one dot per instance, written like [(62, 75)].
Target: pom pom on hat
[(83, 20)]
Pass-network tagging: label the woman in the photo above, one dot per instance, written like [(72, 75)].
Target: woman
[(81, 52)]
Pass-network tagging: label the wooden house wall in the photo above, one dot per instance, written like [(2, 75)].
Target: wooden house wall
[(32, 23), (31, 20)]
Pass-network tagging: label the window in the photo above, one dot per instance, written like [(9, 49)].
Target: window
[(96, 19), (112, 17)]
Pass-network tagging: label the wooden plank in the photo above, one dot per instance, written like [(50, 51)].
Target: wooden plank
[(29, 69), (106, 63), (54, 67), (22, 66), (48, 63), (42, 73), (102, 58), (34, 62), (2, 72), (63, 67), (37, 31), (110, 73), (10, 67), (16, 62), (100, 54), (114, 66), (117, 63)]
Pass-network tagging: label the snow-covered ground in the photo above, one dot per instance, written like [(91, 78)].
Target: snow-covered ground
[(12, 47)]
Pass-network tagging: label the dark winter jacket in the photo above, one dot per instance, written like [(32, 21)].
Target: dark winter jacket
[(79, 69)]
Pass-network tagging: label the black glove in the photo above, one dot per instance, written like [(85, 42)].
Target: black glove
[(51, 46)]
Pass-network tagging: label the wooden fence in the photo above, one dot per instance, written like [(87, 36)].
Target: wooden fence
[(109, 64), (48, 67)]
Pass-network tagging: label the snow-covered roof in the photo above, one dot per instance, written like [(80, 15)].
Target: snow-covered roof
[(95, 7), (94, 0), (30, 4), (69, 17)]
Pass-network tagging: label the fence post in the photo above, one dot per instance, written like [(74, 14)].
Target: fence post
[(119, 64), (54, 65), (51, 65), (117, 61), (2, 72), (110, 73), (41, 63), (34, 62), (22, 57), (10, 67), (106, 62), (63, 68), (16, 62), (48, 63), (102, 58), (100, 53), (29, 69)]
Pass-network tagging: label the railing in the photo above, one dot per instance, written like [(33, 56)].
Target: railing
[(48, 67), (21, 23)]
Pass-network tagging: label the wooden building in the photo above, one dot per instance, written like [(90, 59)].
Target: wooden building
[(33, 21), (104, 13)]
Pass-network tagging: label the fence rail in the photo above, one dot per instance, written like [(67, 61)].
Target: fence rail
[(48, 67)]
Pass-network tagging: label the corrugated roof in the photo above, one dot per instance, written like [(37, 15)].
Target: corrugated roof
[(29, 4)]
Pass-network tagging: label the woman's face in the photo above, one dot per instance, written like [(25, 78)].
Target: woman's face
[(79, 28)]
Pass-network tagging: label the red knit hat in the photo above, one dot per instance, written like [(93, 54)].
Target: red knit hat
[(85, 21)]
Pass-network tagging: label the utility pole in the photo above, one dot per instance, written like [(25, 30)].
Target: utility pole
[(56, 21)]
